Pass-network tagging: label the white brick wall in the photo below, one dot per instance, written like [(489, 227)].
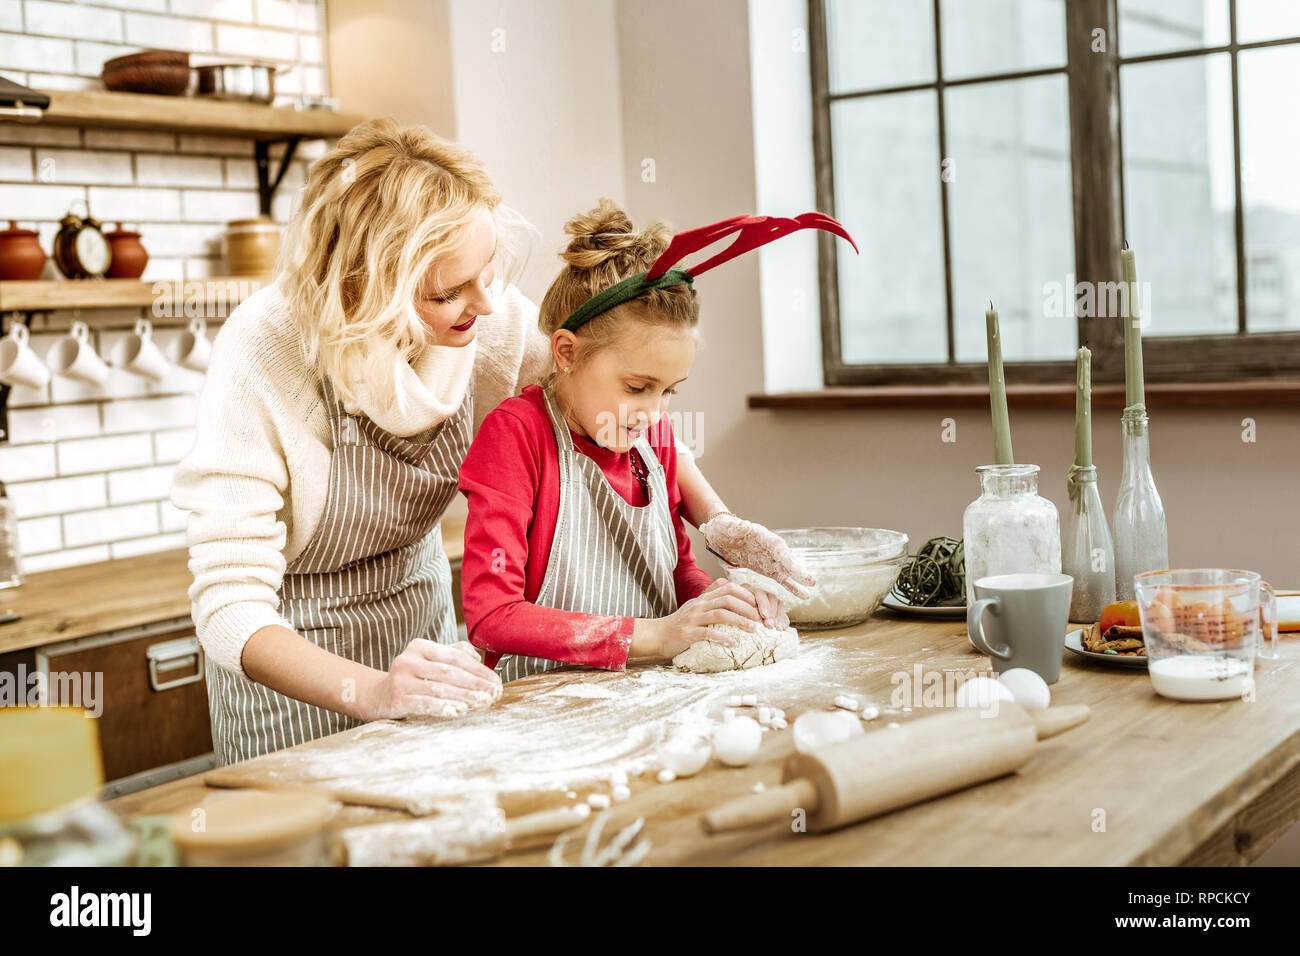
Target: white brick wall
[(89, 468), (148, 413), (16, 164), (53, 423), (36, 498), (87, 23), (161, 542), (23, 462), (66, 43), (11, 16), (110, 524), (140, 484), (104, 454), (179, 189), (180, 170), (83, 167), (173, 445), (64, 559)]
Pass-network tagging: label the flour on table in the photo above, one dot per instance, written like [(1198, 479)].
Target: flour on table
[(584, 691), (541, 741), (764, 645)]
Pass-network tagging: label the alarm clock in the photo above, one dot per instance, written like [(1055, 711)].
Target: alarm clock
[(80, 249)]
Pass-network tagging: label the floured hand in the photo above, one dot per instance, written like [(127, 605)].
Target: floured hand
[(722, 602), (750, 545), (433, 680), (770, 609)]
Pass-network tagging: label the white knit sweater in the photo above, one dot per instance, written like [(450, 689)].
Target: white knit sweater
[(256, 481)]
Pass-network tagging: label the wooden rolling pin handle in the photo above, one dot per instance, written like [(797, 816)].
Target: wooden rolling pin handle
[(543, 822), (767, 806), (1056, 720)]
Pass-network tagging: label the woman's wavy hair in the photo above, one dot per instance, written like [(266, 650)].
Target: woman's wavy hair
[(376, 213)]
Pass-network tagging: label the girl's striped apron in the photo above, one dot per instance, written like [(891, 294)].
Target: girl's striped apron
[(373, 577), (607, 557)]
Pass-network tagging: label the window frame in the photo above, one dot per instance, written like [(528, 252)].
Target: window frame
[(1093, 88)]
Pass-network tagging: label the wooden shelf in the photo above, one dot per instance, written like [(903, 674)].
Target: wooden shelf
[(1158, 395), (101, 109), (42, 295)]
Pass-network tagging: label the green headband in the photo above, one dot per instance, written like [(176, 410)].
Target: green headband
[(625, 290)]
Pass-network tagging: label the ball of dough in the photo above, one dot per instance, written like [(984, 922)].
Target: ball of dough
[(684, 756), (763, 645), (820, 728), (1027, 688), (736, 742), (982, 692)]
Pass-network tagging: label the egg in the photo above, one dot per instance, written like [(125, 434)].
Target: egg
[(684, 756), (982, 692), (1027, 688), (736, 742), (820, 728)]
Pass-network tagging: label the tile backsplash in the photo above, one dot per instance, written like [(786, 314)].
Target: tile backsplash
[(89, 468)]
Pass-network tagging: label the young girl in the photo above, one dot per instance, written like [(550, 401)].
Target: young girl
[(575, 548)]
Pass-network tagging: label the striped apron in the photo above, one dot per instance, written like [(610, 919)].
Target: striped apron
[(373, 578), (607, 557)]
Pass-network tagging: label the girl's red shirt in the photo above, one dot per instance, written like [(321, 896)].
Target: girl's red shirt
[(511, 480)]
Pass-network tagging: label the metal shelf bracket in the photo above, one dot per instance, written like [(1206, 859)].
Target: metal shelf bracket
[(266, 186)]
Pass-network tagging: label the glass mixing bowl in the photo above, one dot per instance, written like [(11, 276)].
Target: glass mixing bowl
[(855, 568)]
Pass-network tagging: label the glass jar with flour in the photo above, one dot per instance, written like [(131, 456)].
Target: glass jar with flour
[(1009, 528)]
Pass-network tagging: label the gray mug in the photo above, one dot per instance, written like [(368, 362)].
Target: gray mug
[(1020, 620)]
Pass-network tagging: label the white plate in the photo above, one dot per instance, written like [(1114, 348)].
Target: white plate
[(902, 607), (1074, 641)]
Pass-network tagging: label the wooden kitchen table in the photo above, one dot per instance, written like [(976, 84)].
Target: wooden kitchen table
[(1146, 781)]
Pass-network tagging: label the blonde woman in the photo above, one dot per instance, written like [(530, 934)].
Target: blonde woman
[(339, 404)]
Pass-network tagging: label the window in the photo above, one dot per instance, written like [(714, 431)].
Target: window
[(973, 149)]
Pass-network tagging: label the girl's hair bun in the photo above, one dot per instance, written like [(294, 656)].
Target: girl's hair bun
[(605, 235), (605, 248)]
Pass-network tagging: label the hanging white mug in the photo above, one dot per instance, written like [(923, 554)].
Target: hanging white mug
[(137, 353), (74, 357), (192, 349), (19, 365)]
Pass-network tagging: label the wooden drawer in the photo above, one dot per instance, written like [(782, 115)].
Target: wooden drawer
[(152, 696)]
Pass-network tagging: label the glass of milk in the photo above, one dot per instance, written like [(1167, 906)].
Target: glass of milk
[(1203, 629)]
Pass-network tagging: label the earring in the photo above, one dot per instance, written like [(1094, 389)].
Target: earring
[(566, 368)]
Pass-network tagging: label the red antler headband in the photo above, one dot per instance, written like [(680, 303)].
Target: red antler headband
[(754, 231)]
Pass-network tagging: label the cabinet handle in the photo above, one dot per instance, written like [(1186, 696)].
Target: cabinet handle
[(171, 655), (22, 112)]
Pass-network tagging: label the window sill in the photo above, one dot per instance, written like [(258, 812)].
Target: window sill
[(1158, 395)]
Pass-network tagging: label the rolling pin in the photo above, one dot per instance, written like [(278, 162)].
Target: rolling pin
[(887, 769), (451, 839)]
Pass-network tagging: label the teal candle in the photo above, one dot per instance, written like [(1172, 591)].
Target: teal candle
[(1134, 387), (1002, 454)]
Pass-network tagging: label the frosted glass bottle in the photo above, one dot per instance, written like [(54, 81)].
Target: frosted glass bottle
[(1009, 528), (11, 572), (1087, 552), (1141, 535)]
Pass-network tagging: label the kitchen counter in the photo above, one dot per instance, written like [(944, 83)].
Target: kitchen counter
[(95, 598), (1145, 781), (92, 599)]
